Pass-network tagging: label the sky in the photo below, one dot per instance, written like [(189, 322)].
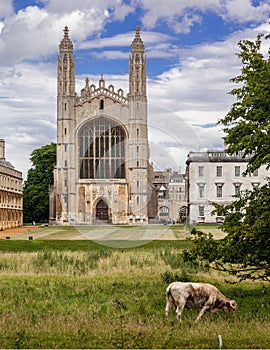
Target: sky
[(191, 48)]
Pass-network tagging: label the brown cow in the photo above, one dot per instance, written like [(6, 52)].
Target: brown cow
[(193, 295)]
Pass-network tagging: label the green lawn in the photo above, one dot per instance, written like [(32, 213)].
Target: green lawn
[(82, 294), (107, 233)]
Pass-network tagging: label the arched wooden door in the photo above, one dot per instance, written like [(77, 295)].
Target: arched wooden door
[(102, 212)]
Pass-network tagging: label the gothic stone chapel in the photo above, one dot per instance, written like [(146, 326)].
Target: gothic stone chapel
[(102, 174)]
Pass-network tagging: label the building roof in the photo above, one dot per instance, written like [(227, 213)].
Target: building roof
[(216, 156), (6, 163)]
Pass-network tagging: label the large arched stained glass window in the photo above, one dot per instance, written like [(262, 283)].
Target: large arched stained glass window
[(102, 150)]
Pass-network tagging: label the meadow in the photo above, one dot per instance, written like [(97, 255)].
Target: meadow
[(82, 294)]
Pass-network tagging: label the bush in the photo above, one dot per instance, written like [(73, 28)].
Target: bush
[(169, 277)]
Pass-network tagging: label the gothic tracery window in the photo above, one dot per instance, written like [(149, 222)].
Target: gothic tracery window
[(102, 150)]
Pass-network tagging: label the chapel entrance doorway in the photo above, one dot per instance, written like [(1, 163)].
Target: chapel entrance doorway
[(102, 212)]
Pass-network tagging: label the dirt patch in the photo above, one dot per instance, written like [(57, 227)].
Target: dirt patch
[(14, 231)]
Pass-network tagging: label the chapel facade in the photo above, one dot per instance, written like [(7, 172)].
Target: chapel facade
[(102, 174)]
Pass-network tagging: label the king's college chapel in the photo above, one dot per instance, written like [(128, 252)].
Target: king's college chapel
[(102, 173)]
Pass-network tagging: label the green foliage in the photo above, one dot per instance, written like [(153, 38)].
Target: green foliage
[(36, 186), (180, 260), (245, 251), (169, 277), (247, 125)]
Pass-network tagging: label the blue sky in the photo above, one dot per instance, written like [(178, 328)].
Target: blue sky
[(190, 47)]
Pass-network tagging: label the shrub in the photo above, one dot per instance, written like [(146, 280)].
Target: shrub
[(169, 277)]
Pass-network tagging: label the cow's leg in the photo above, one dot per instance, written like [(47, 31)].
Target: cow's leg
[(202, 312), (168, 307), (179, 309)]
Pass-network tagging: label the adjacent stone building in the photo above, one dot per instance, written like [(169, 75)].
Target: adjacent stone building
[(102, 173), (11, 197), (172, 199), (217, 177)]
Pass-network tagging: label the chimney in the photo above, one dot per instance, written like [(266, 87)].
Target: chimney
[(2, 149)]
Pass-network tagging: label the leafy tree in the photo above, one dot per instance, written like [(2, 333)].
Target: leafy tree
[(247, 125), (245, 251), (36, 186)]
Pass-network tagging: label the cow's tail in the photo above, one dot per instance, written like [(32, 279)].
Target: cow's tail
[(169, 301), (168, 292)]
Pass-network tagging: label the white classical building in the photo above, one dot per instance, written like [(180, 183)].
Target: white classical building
[(217, 177), (102, 173)]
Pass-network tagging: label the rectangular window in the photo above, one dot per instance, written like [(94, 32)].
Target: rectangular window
[(237, 189), (237, 170), (201, 171), (256, 172), (201, 210), (219, 190), (201, 190), (219, 171)]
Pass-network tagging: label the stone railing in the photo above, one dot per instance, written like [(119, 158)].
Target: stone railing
[(90, 91)]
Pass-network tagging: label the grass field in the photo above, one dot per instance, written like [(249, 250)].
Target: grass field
[(107, 233), (73, 293)]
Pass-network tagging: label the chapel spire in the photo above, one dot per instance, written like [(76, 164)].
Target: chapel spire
[(66, 66), (137, 44), (137, 68), (66, 44)]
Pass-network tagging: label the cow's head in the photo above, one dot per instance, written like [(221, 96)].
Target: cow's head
[(230, 306)]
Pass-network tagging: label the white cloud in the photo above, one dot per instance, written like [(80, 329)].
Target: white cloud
[(104, 7), (6, 8), (111, 55), (243, 11), (181, 15), (187, 21), (177, 13), (124, 40), (35, 32), (27, 110)]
